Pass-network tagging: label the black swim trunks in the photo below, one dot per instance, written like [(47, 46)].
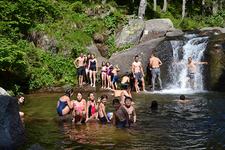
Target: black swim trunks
[(191, 75), (81, 71)]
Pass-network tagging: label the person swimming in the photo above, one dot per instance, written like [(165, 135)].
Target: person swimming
[(64, 104), (154, 105), (182, 99)]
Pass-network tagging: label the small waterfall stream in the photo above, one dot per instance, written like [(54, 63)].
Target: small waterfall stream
[(174, 77)]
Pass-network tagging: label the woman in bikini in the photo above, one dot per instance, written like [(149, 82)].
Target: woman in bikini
[(103, 70), (64, 104), (79, 111), (92, 107), (93, 69)]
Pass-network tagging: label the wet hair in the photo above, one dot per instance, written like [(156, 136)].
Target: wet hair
[(103, 62), (128, 98), (89, 94), (111, 67), (104, 96), (135, 56), (154, 105), (182, 97), (69, 91), (79, 93), (116, 101), (19, 96), (127, 74), (151, 54), (118, 88), (126, 85)]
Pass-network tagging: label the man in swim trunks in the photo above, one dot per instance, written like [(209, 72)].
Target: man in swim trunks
[(137, 71), (154, 64), (81, 68), (191, 70)]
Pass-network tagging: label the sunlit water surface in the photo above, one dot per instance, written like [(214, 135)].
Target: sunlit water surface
[(199, 123)]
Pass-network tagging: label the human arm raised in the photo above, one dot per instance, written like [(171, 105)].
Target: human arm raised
[(117, 68), (99, 99), (201, 63), (179, 63)]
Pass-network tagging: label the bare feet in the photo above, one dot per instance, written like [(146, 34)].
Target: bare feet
[(144, 90)]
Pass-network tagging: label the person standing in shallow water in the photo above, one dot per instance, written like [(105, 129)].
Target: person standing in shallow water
[(191, 70), (137, 71), (80, 68), (154, 64)]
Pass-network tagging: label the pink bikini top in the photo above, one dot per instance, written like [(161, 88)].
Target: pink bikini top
[(81, 107)]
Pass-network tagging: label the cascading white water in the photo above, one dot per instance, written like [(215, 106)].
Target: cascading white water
[(194, 47)]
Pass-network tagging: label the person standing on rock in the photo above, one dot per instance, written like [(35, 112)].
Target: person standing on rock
[(81, 68), (137, 71), (93, 69), (154, 64), (191, 69)]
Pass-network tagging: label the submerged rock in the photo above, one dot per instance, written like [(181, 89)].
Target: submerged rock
[(36, 146), (124, 59), (66, 118), (130, 33), (12, 131), (3, 92)]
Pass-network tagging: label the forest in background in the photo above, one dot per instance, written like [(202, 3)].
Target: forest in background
[(24, 66)]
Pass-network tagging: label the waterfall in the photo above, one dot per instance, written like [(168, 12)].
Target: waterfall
[(192, 46)]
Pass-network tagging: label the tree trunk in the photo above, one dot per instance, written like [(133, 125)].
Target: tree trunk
[(164, 6), (215, 6), (203, 7), (142, 7), (155, 4), (183, 9)]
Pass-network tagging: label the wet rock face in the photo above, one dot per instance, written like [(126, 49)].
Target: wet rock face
[(124, 59), (215, 55), (12, 131), (130, 33)]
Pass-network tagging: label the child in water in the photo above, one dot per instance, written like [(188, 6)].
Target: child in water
[(21, 99), (125, 79), (79, 111), (103, 117), (182, 99), (130, 109), (91, 107), (108, 75), (104, 71), (120, 115)]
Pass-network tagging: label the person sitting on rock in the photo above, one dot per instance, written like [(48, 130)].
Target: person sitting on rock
[(125, 79), (80, 109), (21, 100), (64, 104)]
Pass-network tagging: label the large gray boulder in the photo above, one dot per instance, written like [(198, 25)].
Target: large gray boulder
[(100, 60), (130, 33), (93, 50), (174, 32), (124, 59), (155, 28), (3, 92), (218, 29), (12, 131)]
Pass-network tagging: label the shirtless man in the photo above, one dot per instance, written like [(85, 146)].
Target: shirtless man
[(191, 70), (120, 115), (125, 79), (137, 70), (126, 93), (130, 109), (115, 77), (81, 68)]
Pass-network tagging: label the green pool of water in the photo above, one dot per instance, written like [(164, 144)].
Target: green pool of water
[(199, 123)]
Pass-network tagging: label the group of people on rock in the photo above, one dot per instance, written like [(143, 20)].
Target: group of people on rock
[(109, 78), (83, 110)]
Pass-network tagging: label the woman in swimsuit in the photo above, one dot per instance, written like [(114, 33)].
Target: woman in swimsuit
[(87, 72), (79, 111), (103, 70), (93, 69), (64, 104), (92, 107), (108, 75)]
